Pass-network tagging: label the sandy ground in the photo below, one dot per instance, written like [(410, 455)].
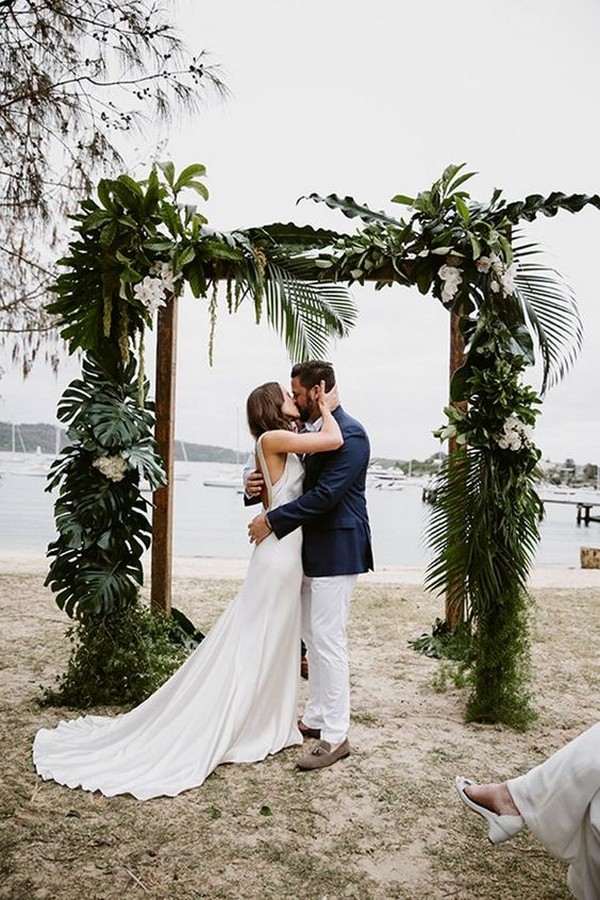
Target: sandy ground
[(383, 823)]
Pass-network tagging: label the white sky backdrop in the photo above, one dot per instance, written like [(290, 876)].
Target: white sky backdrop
[(371, 100)]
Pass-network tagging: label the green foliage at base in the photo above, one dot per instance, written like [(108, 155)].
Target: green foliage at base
[(443, 643), (117, 659), (492, 662), (501, 675)]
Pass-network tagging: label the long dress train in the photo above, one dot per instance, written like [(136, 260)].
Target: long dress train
[(233, 700)]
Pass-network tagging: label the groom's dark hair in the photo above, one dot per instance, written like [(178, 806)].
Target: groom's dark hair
[(314, 372)]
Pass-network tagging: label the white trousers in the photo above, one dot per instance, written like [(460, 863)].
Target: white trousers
[(325, 608), (560, 803)]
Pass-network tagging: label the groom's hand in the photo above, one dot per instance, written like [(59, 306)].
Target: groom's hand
[(259, 529), (254, 484)]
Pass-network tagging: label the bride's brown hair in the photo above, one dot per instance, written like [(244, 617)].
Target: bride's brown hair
[(263, 408)]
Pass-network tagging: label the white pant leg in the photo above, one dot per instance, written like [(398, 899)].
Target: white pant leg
[(325, 609), (313, 714), (560, 802)]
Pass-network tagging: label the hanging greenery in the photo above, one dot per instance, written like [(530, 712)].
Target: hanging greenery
[(136, 248)]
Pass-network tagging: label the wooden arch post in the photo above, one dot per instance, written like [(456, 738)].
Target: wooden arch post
[(162, 513), (455, 591)]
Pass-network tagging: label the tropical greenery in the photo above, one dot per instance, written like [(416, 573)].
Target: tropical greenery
[(135, 248), (101, 515)]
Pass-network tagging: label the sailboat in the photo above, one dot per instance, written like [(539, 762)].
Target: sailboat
[(177, 476), (226, 481), (182, 476), (40, 468), (232, 480)]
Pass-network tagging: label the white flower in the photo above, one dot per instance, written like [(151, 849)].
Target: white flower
[(507, 279), (504, 276), (112, 467), (497, 263), (452, 278), (514, 435), (164, 271), (150, 291), (447, 431)]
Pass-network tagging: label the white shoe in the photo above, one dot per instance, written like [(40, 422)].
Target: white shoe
[(501, 828)]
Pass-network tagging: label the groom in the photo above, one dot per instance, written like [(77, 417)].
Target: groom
[(336, 547)]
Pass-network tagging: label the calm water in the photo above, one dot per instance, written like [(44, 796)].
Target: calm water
[(211, 521)]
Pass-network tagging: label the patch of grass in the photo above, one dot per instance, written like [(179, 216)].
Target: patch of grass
[(364, 717), (448, 674)]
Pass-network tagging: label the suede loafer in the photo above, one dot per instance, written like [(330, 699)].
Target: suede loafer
[(322, 755)]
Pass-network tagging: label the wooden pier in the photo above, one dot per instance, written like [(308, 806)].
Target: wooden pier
[(584, 508)]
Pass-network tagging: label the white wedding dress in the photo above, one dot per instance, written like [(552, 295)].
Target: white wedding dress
[(233, 700)]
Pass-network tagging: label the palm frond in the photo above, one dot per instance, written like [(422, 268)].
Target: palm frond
[(306, 314), (483, 529), (448, 529), (550, 305)]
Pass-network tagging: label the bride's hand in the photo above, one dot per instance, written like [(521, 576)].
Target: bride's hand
[(328, 401)]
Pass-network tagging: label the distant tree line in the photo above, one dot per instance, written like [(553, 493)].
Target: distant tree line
[(26, 438), (570, 472)]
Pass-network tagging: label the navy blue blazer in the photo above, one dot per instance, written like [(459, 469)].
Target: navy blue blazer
[(333, 508)]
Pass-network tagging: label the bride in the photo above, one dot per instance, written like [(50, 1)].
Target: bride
[(234, 699)]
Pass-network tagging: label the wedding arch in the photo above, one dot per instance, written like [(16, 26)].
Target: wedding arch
[(136, 247)]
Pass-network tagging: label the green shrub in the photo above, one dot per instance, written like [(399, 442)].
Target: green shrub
[(117, 659)]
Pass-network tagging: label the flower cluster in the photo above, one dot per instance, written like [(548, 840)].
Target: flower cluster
[(446, 432), (456, 427), (150, 291), (514, 435), (112, 467), (452, 279), (503, 276), (164, 271)]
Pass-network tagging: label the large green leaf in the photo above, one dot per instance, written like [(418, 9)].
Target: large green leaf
[(350, 208), (483, 528), (536, 204), (289, 238)]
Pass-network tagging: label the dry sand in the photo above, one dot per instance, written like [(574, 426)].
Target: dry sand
[(383, 823)]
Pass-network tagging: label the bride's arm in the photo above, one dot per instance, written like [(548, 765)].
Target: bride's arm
[(328, 438)]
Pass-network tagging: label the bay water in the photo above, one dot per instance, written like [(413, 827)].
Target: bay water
[(211, 521)]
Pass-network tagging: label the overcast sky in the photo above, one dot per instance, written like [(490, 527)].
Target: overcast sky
[(373, 99)]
